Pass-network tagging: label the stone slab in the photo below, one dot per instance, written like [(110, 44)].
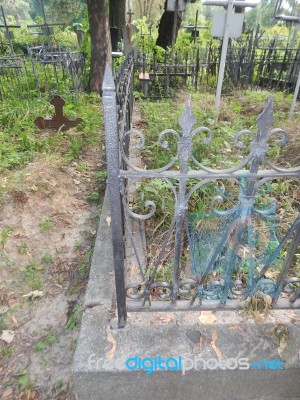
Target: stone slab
[(100, 370)]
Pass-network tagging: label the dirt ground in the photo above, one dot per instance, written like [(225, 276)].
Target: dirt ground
[(47, 227)]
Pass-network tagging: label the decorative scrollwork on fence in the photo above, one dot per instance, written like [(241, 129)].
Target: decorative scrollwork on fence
[(229, 260)]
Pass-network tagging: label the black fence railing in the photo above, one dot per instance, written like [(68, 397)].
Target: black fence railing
[(42, 70), (250, 62), (237, 248)]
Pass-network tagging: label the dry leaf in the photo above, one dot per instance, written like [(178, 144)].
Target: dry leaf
[(110, 354), (207, 317), (34, 294), (234, 328), (214, 337), (132, 271), (15, 321), (293, 318), (282, 345), (7, 392), (268, 300), (164, 319), (7, 336), (108, 220), (272, 274)]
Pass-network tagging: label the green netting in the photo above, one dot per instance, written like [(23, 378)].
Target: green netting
[(211, 236)]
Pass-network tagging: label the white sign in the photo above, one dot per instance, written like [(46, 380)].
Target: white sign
[(235, 28), (171, 5)]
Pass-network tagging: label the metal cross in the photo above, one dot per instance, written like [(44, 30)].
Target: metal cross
[(58, 121), (8, 34), (46, 28)]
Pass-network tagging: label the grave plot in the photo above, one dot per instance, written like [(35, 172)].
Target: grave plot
[(48, 68), (210, 220)]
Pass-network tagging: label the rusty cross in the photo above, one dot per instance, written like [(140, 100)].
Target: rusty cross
[(58, 121)]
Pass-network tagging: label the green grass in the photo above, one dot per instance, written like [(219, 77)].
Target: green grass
[(46, 224), (239, 111), (21, 140)]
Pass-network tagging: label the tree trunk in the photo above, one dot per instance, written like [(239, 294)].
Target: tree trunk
[(165, 29), (98, 13)]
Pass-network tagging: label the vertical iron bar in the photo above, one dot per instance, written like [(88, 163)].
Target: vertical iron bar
[(113, 162), (287, 263)]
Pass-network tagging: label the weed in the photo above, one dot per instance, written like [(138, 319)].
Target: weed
[(82, 166), (51, 338), (31, 269), (88, 235), (83, 269), (74, 318), (46, 224), (47, 259), (36, 284), (72, 322), (23, 248), (6, 351), (40, 346), (88, 255), (58, 383), (4, 235), (2, 324), (24, 381), (95, 196), (75, 148)]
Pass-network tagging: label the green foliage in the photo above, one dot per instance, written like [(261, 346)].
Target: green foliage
[(95, 196), (21, 141), (4, 235), (74, 318), (68, 11), (40, 346), (58, 383), (23, 248), (30, 269), (6, 351), (46, 224), (24, 381), (47, 259)]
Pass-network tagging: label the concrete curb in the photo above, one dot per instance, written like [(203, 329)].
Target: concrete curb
[(100, 370)]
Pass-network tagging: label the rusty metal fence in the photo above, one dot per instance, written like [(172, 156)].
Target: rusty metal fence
[(218, 259)]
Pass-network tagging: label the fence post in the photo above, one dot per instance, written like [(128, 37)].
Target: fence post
[(113, 165)]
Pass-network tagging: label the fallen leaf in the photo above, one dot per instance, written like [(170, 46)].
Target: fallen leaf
[(110, 354), (272, 274), (7, 336), (15, 321), (108, 220), (234, 328), (214, 337), (164, 319), (132, 270), (33, 295), (268, 299), (293, 318), (207, 317), (7, 392)]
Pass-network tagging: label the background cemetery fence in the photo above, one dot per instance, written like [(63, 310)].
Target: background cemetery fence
[(246, 241), (252, 62), (42, 71), (49, 68)]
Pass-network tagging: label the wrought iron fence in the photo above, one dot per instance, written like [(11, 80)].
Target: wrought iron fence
[(42, 70), (250, 62), (216, 258)]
